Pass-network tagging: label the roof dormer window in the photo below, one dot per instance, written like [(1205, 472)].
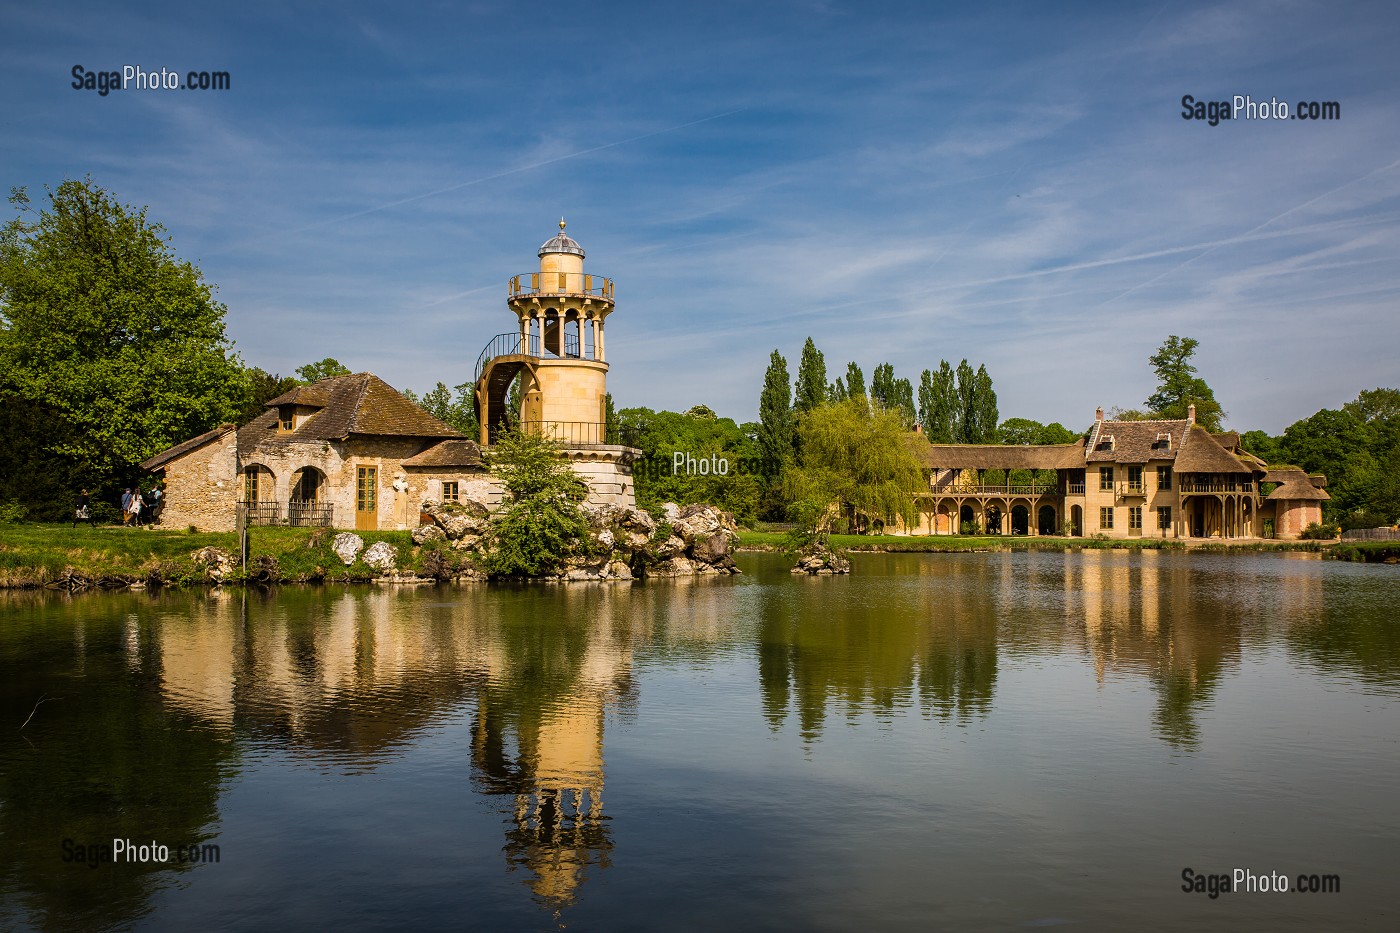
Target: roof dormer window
[(286, 419)]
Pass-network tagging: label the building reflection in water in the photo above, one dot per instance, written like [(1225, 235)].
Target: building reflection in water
[(348, 678), (904, 642)]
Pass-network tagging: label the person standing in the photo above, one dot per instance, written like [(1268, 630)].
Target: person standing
[(155, 501), (136, 505), (126, 506), (83, 511)]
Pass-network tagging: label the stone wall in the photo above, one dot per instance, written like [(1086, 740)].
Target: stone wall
[(201, 488)]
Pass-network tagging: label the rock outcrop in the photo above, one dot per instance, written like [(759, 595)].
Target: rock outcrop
[(820, 560), (624, 543)]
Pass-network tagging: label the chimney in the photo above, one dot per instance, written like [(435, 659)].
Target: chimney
[(1191, 413), (1098, 414), (918, 429)]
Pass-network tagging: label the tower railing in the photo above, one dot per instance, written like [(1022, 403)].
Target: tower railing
[(511, 345), (561, 283)]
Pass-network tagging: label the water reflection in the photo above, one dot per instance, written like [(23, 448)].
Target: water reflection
[(888, 644), (162, 702)]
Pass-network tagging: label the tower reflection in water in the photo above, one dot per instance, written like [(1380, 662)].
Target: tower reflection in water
[(353, 679)]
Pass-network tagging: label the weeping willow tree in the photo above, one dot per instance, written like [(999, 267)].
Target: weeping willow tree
[(854, 462)]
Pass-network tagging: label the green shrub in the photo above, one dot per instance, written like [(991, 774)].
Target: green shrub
[(1320, 532), (12, 512), (540, 524)]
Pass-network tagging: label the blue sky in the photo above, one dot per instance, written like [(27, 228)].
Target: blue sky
[(1009, 183)]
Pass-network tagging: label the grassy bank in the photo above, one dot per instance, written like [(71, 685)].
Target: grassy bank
[(51, 555), (776, 541)]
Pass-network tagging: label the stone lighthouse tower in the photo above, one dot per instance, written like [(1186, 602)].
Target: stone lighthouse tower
[(557, 352)]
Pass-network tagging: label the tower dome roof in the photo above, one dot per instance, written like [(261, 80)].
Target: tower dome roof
[(562, 243)]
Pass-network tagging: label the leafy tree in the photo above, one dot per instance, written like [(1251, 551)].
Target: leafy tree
[(855, 381), (662, 434), (854, 463), (966, 416), (938, 404), (904, 403), (836, 392), (893, 394), (1019, 431), (981, 426), (458, 410), (325, 369), (611, 435), (1132, 414), (1179, 387), (882, 386), (262, 387), (1375, 405), (112, 343), (540, 524), (811, 379), (775, 417), (703, 412)]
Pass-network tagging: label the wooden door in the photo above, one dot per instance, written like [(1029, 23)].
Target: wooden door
[(366, 498)]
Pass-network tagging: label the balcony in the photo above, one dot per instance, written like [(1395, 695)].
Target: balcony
[(530, 284), (1232, 486), (567, 433), (1074, 489), (1132, 489), (983, 489)]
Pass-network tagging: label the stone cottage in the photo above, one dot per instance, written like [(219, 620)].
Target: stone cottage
[(345, 452)]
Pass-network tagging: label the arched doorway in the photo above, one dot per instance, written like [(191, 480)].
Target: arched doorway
[(967, 520), (1045, 523), (259, 496), (307, 506), (1076, 521), (1020, 520)]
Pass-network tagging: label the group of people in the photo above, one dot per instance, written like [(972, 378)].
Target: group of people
[(138, 508)]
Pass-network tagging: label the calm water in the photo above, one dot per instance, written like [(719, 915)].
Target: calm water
[(977, 741)]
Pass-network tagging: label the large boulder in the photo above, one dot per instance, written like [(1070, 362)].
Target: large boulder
[(214, 562), (381, 556), (347, 546), (426, 534)]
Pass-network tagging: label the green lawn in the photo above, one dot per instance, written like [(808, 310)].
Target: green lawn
[(37, 554)]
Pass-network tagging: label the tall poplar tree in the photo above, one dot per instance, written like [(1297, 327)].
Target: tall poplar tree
[(966, 407), (775, 417), (855, 381), (984, 409), (811, 379)]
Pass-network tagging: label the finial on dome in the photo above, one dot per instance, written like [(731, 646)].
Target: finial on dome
[(561, 224)]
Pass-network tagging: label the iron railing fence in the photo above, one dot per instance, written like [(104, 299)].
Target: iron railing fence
[(561, 283)]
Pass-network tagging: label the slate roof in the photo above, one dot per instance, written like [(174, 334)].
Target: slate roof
[(358, 404), (1136, 441), (997, 456), (179, 450), (449, 453), (1201, 453)]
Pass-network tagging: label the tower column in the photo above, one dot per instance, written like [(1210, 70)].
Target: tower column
[(602, 358)]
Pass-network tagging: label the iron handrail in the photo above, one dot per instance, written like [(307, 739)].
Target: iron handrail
[(561, 283)]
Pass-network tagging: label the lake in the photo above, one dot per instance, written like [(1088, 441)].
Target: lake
[(940, 741)]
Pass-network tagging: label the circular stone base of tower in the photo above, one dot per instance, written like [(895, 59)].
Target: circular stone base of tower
[(607, 468)]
